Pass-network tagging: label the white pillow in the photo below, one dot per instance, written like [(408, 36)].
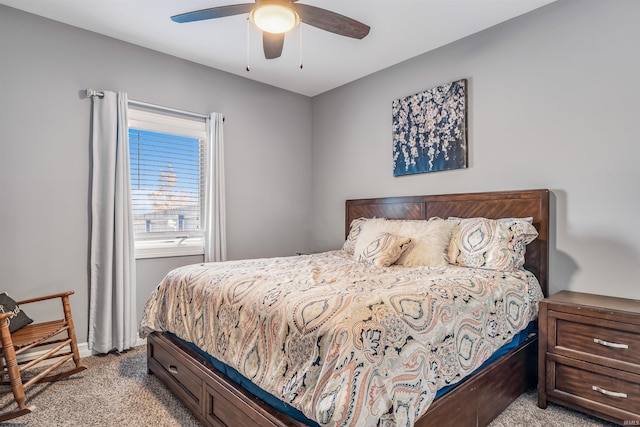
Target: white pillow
[(354, 231), (429, 242)]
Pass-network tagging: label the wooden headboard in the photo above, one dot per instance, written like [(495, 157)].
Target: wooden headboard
[(500, 204)]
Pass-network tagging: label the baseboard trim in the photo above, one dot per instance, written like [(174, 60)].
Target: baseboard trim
[(83, 349)]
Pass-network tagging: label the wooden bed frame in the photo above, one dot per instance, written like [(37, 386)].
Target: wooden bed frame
[(217, 401)]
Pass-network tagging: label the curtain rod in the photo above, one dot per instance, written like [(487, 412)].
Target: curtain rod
[(100, 94)]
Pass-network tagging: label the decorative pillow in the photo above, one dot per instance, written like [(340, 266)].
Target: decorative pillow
[(19, 319), (354, 230), (384, 249), (429, 239), (493, 244), (429, 242)]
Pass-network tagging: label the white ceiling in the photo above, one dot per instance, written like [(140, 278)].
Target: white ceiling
[(400, 29)]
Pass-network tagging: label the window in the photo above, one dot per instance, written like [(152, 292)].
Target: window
[(167, 154)]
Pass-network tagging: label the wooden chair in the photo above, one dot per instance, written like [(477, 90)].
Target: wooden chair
[(55, 340)]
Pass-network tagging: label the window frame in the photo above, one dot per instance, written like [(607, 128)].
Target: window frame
[(170, 122)]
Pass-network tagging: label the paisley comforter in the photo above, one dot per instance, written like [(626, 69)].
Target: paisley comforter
[(346, 343)]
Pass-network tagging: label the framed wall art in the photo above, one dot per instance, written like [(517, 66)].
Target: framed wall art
[(430, 130)]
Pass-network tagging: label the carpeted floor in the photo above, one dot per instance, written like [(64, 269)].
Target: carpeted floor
[(116, 390), (525, 412)]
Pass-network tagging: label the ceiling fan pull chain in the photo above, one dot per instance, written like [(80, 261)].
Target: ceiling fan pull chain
[(300, 26), (248, 42)]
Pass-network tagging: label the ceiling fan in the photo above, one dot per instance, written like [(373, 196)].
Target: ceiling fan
[(277, 17)]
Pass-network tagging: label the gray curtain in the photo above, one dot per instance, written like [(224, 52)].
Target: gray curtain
[(215, 245), (112, 306)]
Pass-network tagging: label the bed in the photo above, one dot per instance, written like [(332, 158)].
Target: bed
[(472, 398)]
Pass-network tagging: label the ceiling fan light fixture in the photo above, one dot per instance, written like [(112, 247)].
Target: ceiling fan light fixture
[(274, 18)]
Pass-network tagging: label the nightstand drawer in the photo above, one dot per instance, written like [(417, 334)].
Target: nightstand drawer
[(609, 394), (606, 342)]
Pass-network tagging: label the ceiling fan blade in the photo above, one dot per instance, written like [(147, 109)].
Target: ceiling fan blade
[(331, 21), (214, 12), (272, 44)]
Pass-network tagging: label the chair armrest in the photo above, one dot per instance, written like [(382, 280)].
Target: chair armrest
[(60, 295)]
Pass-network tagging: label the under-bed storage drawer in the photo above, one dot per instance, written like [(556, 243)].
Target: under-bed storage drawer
[(206, 392), (178, 372), (223, 408)]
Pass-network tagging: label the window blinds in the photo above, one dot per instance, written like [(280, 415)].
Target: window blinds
[(167, 178)]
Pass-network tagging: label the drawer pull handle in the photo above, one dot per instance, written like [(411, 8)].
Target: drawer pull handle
[(172, 369), (609, 393), (609, 344)]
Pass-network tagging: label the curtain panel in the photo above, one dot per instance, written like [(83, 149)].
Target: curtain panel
[(215, 246), (112, 305)]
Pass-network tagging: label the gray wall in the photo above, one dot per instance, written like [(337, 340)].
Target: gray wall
[(44, 154), (553, 103)]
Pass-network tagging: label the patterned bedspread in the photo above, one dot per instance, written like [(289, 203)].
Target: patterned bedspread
[(345, 343)]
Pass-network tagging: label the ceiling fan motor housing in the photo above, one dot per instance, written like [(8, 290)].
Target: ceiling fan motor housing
[(274, 17)]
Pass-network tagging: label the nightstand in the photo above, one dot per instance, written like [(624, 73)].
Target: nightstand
[(589, 355)]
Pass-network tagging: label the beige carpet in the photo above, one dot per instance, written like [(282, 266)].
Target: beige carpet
[(116, 390)]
